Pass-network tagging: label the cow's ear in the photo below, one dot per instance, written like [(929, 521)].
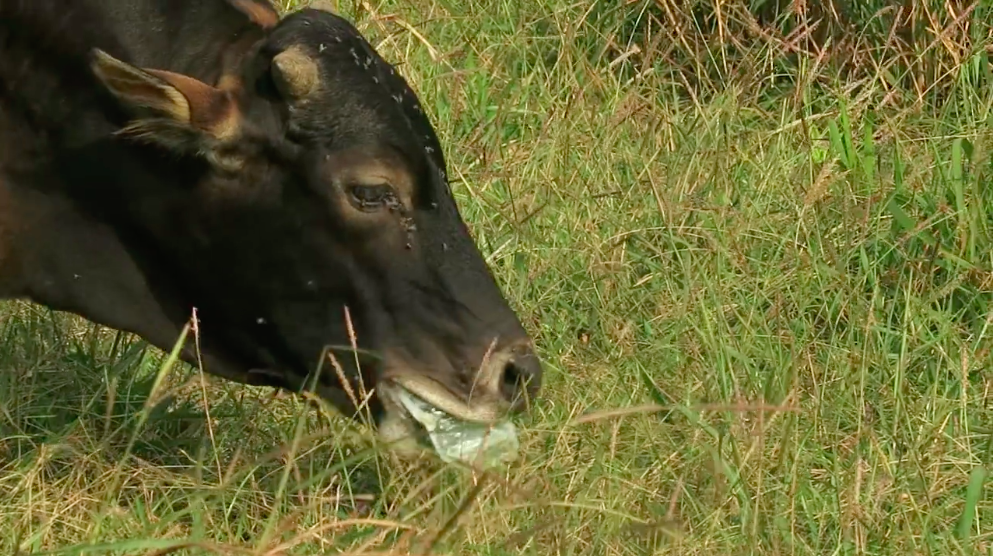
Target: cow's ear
[(260, 12), (171, 109)]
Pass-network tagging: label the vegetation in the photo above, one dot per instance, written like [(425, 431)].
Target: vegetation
[(751, 239)]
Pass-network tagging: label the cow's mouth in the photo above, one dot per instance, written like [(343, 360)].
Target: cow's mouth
[(475, 433)]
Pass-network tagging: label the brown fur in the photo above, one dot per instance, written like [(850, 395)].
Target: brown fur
[(371, 166), (232, 59), (8, 233), (259, 11)]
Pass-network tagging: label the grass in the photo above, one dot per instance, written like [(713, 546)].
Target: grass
[(763, 301)]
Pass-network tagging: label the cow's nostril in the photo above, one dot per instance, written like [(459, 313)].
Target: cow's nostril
[(511, 380), (521, 377)]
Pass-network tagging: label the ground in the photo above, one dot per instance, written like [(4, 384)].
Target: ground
[(764, 317)]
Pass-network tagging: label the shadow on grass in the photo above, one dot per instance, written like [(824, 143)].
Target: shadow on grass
[(74, 395)]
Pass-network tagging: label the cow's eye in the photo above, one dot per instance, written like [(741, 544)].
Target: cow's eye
[(370, 197)]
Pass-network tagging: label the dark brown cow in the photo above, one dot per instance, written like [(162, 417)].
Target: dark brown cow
[(276, 175)]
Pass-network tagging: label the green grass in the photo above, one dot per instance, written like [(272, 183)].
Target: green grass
[(764, 312)]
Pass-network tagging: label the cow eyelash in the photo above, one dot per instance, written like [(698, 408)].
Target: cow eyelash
[(370, 197)]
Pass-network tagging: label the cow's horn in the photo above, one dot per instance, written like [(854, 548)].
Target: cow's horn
[(295, 73)]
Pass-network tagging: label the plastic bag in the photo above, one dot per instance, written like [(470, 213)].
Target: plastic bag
[(457, 440)]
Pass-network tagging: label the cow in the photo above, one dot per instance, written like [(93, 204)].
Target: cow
[(269, 173)]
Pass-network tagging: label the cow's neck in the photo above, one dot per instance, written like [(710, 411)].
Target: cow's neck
[(53, 254), (205, 39), (53, 251)]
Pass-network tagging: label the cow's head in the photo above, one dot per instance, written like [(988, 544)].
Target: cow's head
[(302, 203)]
